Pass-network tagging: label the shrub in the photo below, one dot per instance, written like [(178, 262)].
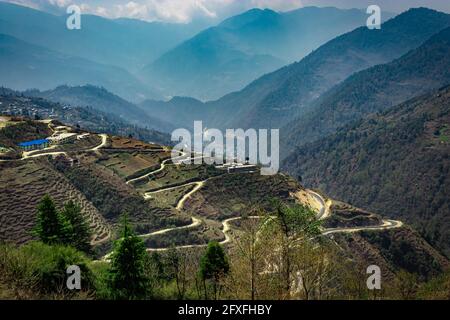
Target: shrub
[(41, 268)]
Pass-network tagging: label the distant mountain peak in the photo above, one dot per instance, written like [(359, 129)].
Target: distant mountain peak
[(226, 58), (249, 16)]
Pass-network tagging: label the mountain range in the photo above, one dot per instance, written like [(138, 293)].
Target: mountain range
[(100, 99), (125, 43), (373, 90), (363, 114), (139, 60), (29, 104), (38, 51), (275, 99), (227, 57), (25, 65)]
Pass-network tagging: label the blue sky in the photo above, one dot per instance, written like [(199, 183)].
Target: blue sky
[(183, 11)]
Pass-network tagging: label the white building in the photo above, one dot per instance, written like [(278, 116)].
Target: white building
[(62, 138)]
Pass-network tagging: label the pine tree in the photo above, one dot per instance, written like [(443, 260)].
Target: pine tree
[(213, 266), (80, 230), (51, 226), (127, 278)]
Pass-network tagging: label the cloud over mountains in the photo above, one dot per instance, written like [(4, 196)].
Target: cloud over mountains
[(181, 11), (184, 11)]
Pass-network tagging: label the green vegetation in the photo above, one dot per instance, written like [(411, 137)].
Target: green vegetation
[(402, 253), (444, 134), (127, 278), (80, 231), (109, 195), (295, 225), (66, 227), (213, 266), (38, 270), (437, 288), (169, 198), (52, 227), (233, 195), (199, 235), (392, 163), (248, 269), (280, 255)]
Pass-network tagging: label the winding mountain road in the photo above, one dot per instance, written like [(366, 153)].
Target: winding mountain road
[(36, 154), (161, 168), (102, 144), (322, 213), (387, 224)]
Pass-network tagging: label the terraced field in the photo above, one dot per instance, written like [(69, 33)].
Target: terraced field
[(176, 175), (347, 216), (128, 165), (169, 204), (23, 184), (112, 196), (168, 198), (233, 195), (124, 143), (187, 238)]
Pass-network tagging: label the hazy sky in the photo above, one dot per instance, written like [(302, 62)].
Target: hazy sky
[(187, 10)]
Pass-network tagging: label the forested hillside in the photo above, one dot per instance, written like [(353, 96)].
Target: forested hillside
[(16, 103), (373, 90), (396, 163)]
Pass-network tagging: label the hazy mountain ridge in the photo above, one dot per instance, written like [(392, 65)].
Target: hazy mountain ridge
[(275, 99), (127, 43), (333, 62), (27, 104), (227, 57), (100, 99), (375, 89), (26, 66), (179, 111)]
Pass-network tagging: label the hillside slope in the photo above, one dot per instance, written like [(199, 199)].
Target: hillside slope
[(304, 82), (102, 100), (177, 214), (17, 103), (373, 90), (397, 163)]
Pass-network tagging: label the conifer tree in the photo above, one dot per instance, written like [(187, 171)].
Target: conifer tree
[(51, 226), (80, 230), (213, 266), (127, 278)]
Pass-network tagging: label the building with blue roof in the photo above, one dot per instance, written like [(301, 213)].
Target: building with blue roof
[(34, 144)]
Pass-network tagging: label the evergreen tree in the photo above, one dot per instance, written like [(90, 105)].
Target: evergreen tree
[(213, 266), (80, 230), (127, 278), (51, 226)]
